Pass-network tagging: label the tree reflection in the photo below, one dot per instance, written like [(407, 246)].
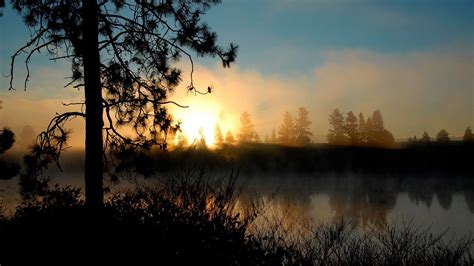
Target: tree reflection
[(364, 200)]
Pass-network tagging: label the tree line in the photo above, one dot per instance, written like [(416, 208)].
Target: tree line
[(292, 131), (344, 130), (442, 137), (350, 130)]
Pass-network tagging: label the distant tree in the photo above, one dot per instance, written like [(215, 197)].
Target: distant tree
[(273, 138), (377, 121), (267, 139), (302, 124), (286, 133), (412, 139), (376, 129), (229, 137), (257, 138), (425, 137), (351, 129), (219, 137), (182, 140), (336, 131), (442, 136), (387, 140), (377, 135), (123, 56), (468, 136), (27, 135), (369, 132), (200, 142), (362, 129), (247, 128)]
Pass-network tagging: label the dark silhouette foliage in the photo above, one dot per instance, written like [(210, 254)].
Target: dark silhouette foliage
[(351, 129), (302, 131), (229, 137), (425, 137), (468, 136), (219, 137), (287, 132), (194, 219), (7, 170), (7, 138), (336, 131), (442, 136), (247, 129), (357, 132)]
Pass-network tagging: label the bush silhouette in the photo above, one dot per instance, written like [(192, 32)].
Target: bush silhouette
[(194, 219)]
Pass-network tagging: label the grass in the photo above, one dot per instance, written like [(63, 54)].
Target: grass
[(193, 219)]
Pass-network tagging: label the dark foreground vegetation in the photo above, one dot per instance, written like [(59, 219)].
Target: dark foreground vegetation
[(195, 219)]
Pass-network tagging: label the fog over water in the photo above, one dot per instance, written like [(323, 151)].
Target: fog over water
[(436, 201)]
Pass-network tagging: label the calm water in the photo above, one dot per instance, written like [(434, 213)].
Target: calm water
[(441, 202)]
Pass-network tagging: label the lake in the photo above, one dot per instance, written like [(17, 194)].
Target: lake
[(442, 203)]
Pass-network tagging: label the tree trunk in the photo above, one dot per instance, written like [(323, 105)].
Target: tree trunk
[(93, 99)]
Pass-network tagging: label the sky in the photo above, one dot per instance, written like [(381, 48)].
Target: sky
[(413, 60)]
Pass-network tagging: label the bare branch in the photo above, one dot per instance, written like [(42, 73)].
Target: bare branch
[(27, 61), (22, 50)]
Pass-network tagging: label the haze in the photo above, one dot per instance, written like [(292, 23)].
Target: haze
[(413, 61)]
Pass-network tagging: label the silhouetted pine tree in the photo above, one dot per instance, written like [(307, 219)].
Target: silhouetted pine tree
[(200, 142), (257, 138), (27, 136), (377, 135), (286, 133), (247, 129), (442, 136), (336, 131), (182, 140), (468, 136), (273, 138), (377, 128), (302, 124), (122, 55), (425, 137), (219, 137), (267, 139), (351, 129), (229, 137), (362, 129)]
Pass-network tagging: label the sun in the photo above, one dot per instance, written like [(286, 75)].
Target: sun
[(198, 124), (199, 120)]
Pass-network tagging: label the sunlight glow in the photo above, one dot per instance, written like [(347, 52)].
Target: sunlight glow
[(201, 118), (198, 124)]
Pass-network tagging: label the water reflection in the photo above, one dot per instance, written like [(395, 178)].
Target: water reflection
[(447, 202), (368, 200)]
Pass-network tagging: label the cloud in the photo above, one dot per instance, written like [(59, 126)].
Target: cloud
[(417, 91), (426, 90)]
